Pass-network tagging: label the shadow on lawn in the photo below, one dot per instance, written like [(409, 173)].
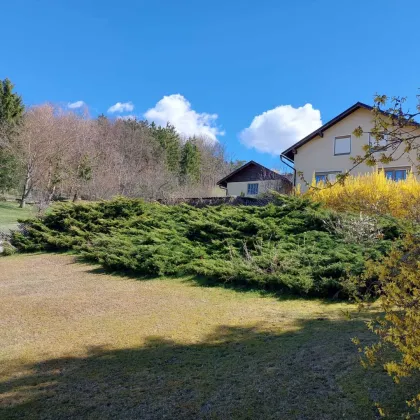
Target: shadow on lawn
[(235, 373), (279, 294), (101, 270), (202, 281)]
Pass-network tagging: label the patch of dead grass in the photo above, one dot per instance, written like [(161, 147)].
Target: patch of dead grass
[(79, 344)]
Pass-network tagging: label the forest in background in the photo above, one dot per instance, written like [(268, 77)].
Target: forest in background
[(50, 153)]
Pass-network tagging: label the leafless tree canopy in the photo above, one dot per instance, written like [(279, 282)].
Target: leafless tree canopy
[(67, 155)]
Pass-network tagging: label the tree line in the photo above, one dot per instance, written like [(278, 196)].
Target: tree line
[(48, 152)]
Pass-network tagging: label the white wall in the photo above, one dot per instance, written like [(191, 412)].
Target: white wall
[(236, 188), (318, 154), (218, 192)]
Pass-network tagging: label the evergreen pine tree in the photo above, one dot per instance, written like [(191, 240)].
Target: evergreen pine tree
[(170, 142), (11, 114), (11, 104), (190, 162)]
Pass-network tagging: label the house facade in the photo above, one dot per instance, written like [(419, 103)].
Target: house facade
[(327, 151), (253, 179)]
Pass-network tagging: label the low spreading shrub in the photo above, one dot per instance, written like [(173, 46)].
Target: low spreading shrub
[(372, 194), (291, 244), (6, 248)]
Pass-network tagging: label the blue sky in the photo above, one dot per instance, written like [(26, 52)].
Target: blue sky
[(240, 72)]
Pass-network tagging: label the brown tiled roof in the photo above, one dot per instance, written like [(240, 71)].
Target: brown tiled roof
[(263, 171)]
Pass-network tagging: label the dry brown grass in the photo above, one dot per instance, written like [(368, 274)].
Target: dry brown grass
[(78, 343)]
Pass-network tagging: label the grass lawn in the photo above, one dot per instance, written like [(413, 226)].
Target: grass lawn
[(10, 213), (79, 343)]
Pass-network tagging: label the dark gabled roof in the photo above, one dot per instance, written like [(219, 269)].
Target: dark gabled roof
[(289, 152), (268, 173)]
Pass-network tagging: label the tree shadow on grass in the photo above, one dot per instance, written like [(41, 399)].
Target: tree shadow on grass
[(234, 373), (102, 270), (202, 281), (121, 274), (279, 294)]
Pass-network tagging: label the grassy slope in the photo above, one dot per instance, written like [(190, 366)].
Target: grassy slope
[(10, 213), (78, 343)]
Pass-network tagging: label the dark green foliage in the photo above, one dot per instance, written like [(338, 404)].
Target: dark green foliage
[(9, 170), (11, 104), (285, 245), (84, 169), (170, 143), (11, 114), (190, 162)]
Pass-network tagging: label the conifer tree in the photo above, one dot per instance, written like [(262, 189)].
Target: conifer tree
[(11, 105), (190, 162), (11, 115), (170, 142)]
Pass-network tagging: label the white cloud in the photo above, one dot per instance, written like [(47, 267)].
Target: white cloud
[(127, 117), (277, 129), (176, 110), (121, 107), (74, 105)]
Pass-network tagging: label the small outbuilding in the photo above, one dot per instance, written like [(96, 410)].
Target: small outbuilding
[(253, 179)]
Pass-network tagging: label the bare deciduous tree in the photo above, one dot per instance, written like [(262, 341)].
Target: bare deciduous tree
[(70, 155)]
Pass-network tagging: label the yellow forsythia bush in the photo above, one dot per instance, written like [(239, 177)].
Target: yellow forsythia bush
[(372, 194), (398, 289)]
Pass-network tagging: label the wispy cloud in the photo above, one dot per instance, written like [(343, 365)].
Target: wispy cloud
[(74, 105), (127, 117), (121, 107), (176, 110), (277, 129)]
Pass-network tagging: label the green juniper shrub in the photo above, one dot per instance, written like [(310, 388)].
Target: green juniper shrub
[(7, 249), (286, 245)]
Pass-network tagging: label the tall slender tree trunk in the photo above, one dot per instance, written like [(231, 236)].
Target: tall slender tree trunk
[(26, 187), (51, 194), (50, 187)]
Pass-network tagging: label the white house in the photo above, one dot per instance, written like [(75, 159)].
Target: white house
[(253, 179), (327, 151)]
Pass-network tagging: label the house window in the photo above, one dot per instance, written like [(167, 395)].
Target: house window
[(320, 178), (377, 145), (342, 145), (252, 189), (323, 177), (396, 174)]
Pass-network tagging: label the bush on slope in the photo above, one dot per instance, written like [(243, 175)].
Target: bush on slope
[(287, 245)]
